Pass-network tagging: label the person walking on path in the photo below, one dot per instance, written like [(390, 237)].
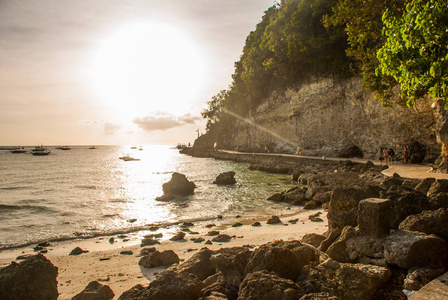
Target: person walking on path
[(405, 154), (381, 156)]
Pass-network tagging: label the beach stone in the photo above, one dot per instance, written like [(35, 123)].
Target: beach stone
[(319, 296), (408, 249), (231, 262), (78, 251), (277, 197), (256, 224), (208, 242), (439, 186), (33, 279), (178, 185), (313, 239), (178, 236), (331, 237), (146, 251), (213, 233), (157, 259), (199, 264), (264, 285), (215, 296), (126, 252), (429, 222), (95, 291), (237, 224), (277, 257), (343, 280), (167, 285), (197, 240), (373, 217), (418, 277), (424, 185), (406, 203), (149, 242), (274, 220), (226, 178), (222, 238)]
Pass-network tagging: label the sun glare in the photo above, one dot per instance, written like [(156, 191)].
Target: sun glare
[(146, 67)]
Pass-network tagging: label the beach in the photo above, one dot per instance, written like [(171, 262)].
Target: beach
[(105, 264)]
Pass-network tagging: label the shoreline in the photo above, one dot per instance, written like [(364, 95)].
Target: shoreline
[(121, 272)]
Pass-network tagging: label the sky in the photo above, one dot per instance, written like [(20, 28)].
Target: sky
[(116, 72)]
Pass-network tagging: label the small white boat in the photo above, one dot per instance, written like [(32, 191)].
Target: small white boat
[(18, 150), (40, 151)]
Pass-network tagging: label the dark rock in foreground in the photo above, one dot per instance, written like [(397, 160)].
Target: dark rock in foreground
[(32, 279), (156, 259), (95, 291), (178, 185), (226, 178)]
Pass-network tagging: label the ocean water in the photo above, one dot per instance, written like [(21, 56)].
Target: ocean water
[(85, 192)]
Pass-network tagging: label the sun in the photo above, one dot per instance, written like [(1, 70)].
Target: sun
[(146, 67)]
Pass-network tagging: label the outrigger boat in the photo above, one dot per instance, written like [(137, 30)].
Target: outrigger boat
[(40, 151), (18, 150)]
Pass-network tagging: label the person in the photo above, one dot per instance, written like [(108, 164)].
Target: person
[(391, 153), (408, 154), (299, 151), (386, 156), (381, 156), (405, 154)]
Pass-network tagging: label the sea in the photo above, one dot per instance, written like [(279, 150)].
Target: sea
[(86, 192)]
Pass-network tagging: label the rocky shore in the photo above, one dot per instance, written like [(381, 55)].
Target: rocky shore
[(363, 235)]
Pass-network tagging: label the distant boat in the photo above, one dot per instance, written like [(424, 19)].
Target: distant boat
[(64, 148), (40, 151), (93, 147), (140, 148), (133, 147), (127, 157), (18, 150)]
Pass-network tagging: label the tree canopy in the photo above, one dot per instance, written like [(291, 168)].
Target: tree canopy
[(415, 53)]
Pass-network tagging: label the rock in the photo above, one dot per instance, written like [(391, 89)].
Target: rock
[(412, 249), (157, 259), (237, 224), (95, 291), (213, 233), (126, 252), (429, 222), (331, 237), (208, 242), (216, 285), (424, 186), (226, 178), (406, 203), (199, 265), (197, 240), (274, 220), (344, 205), (319, 296), (31, 279), (263, 285), (232, 262), (78, 251), (215, 296), (418, 277), (149, 242), (439, 186), (178, 185), (346, 281), (277, 257), (374, 217), (313, 239), (351, 152), (256, 224), (222, 238), (312, 205), (146, 251), (178, 236), (278, 197), (366, 250), (337, 250), (167, 285)]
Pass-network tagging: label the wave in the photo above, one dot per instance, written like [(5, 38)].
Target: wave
[(13, 188), (37, 208), (86, 187)]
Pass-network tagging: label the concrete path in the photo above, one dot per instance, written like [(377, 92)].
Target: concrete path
[(404, 170)]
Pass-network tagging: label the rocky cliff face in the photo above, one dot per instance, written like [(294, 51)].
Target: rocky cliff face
[(332, 118)]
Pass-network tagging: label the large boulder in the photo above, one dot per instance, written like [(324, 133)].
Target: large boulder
[(406, 203), (337, 250), (178, 185), (95, 291), (278, 257), (439, 186), (408, 249), (418, 277), (263, 285), (226, 178), (232, 262), (168, 285), (346, 281), (33, 279), (374, 217), (429, 222), (220, 287), (199, 264), (157, 259), (343, 206)]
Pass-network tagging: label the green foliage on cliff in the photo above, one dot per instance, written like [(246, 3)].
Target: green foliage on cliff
[(415, 53), (388, 43)]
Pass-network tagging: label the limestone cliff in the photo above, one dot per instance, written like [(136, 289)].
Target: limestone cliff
[(333, 117)]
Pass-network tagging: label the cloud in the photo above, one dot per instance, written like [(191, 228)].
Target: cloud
[(163, 121), (110, 128)]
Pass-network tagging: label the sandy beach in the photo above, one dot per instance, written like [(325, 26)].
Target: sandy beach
[(105, 263)]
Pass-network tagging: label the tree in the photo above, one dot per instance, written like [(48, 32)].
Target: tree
[(214, 111), (416, 51)]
